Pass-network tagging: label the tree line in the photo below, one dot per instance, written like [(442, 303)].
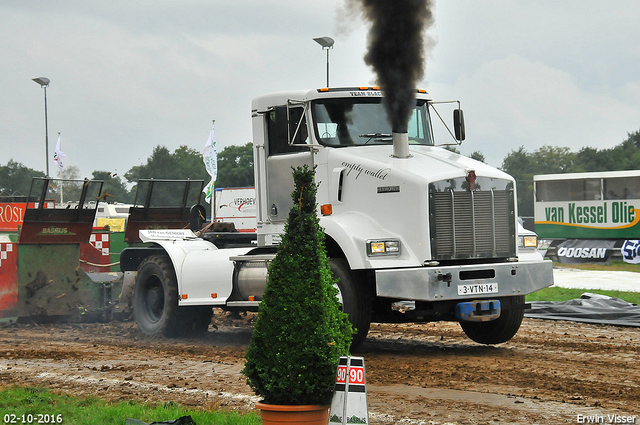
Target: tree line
[(235, 168), (523, 165)]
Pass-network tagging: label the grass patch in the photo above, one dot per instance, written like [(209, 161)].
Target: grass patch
[(47, 407), (565, 294), (614, 266)]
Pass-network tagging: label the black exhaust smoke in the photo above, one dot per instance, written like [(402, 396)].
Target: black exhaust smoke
[(397, 52)]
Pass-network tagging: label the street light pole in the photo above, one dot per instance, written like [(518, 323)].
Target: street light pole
[(44, 83), (326, 43), (327, 67)]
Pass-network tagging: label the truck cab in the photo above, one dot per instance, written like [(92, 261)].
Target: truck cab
[(405, 221)]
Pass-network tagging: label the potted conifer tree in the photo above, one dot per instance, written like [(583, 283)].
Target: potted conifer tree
[(300, 332)]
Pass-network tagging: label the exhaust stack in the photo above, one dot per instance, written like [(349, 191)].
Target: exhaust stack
[(400, 145)]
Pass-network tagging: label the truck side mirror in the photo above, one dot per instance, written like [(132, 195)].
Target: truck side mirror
[(458, 124)]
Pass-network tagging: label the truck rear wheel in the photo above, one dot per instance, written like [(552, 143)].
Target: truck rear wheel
[(496, 331), (355, 300), (155, 298)]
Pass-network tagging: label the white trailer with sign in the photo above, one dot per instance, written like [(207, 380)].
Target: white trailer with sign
[(589, 217), (414, 232), (236, 205), (596, 205)]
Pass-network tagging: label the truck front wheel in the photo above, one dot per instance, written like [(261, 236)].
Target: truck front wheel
[(155, 298), (354, 298), (496, 331)]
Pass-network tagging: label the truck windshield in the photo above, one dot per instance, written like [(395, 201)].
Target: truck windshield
[(363, 121)]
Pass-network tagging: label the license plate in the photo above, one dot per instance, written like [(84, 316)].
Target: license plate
[(478, 288)]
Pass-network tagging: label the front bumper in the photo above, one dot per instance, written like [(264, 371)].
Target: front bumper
[(464, 282)]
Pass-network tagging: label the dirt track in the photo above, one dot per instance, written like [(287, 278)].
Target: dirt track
[(550, 373)]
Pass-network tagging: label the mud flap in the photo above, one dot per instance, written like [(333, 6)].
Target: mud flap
[(478, 311)]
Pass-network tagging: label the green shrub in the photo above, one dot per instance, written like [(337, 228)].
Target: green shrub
[(300, 332)]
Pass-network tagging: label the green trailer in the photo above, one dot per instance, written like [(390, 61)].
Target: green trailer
[(55, 266), (51, 281)]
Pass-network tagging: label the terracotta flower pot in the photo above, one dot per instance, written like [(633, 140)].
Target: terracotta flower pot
[(275, 414)]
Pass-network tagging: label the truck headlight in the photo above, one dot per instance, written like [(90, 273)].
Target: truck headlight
[(387, 247), (528, 241), (531, 241)]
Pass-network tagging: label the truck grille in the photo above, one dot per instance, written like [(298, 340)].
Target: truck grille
[(472, 224)]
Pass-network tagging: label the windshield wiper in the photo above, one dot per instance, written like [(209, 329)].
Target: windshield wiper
[(380, 137), (372, 135)]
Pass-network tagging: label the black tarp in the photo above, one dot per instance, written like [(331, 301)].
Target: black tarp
[(590, 308)]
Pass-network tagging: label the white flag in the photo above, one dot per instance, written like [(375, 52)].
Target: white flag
[(210, 157), (58, 154)]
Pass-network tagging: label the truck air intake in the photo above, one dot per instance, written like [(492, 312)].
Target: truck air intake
[(400, 145)]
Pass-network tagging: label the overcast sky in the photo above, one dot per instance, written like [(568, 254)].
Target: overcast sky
[(127, 76)]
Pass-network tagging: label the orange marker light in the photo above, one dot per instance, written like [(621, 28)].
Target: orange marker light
[(185, 296), (325, 89), (252, 298), (214, 295), (326, 209)]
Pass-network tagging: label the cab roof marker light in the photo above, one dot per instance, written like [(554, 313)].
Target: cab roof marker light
[(345, 89)]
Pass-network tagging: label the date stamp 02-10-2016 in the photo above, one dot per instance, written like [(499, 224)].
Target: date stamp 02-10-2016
[(31, 418)]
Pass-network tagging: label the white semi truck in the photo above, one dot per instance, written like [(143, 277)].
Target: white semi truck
[(414, 232)]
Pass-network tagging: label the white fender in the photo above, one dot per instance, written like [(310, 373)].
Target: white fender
[(204, 272), (352, 230)]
